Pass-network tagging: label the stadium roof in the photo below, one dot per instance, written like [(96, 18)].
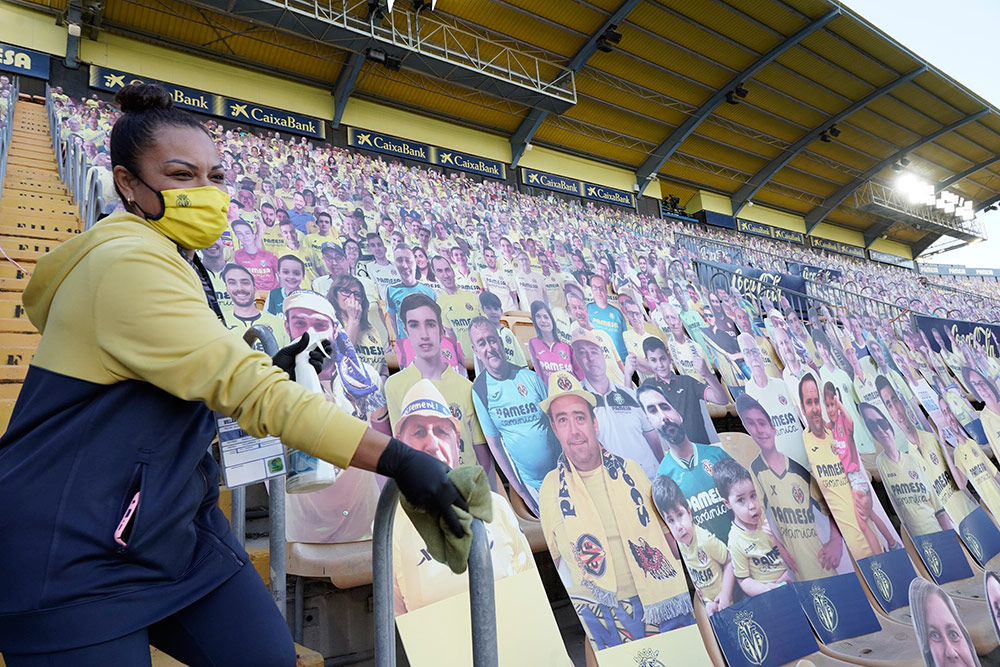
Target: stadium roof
[(653, 102)]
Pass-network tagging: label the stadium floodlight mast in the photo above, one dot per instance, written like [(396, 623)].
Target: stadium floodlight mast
[(916, 190)]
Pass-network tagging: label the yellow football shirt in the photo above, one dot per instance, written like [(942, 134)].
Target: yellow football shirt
[(705, 558), (915, 501), (755, 554), (829, 474), (793, 499), (970, 459)]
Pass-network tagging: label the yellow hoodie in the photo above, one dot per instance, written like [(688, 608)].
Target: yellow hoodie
[(119, 303)]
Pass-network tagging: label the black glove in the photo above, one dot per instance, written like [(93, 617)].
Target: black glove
[(285, 357), (424, 481)]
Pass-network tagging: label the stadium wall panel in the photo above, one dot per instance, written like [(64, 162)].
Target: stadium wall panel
[(834, 233), (893, 248), (183, 69), (31, 30)]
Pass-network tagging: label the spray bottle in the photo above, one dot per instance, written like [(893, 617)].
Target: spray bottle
[(308, 473)]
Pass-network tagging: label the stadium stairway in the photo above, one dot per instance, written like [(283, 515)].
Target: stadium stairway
[(36, 214)]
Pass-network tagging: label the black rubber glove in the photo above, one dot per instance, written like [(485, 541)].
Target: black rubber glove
[(285, 357), (424, 481)]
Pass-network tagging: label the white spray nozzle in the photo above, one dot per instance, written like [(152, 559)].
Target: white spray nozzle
[(305, 374)]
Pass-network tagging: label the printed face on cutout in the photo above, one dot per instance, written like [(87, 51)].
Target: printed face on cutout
[(576, 430), (591, 359), (678, 520), (487, 347), (744, 503), (290, 274), (432, 435), (811, 404), (424, 331), (944, 635), (239, 284), (758, 425), (663, 416), (301, 320)]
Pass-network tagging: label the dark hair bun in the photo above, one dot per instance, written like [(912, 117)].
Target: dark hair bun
[(141, 97)]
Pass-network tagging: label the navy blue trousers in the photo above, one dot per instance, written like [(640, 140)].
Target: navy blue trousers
[(236, 625)]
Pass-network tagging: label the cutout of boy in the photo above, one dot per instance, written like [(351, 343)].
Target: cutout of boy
[(706, 557), (759, 562)]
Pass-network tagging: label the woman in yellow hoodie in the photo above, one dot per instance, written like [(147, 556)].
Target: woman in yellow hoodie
[(112, 538)]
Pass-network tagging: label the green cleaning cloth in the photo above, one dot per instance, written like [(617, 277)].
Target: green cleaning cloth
[(442, 544)]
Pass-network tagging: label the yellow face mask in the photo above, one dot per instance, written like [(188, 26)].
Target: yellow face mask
[(191, 217)]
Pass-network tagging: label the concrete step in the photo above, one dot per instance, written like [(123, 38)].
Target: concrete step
[(37, 151), (13, 284), (10, 390), (19, 325), (11, 217), (25, 250), (12, 374), (28, 231), (36, 209), (37, 225), (49, 184), (6, 407), (12, 310), (43, 165), (32, 137), (8, 270), (27, 197), (18, 339), (17, 356)]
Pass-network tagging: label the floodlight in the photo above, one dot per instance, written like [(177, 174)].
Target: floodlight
[(740, 91), (731, 98), (834, 131), (612, 35)]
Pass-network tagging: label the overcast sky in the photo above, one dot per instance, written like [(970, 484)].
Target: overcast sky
[(955, 36)]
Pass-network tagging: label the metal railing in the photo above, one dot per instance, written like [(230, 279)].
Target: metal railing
[(857, 303), (761, 259), (75, 169), (714, 277), (7, 129), (276, 498), (889, 202), (993, 304), (481, 593), (426, 35)]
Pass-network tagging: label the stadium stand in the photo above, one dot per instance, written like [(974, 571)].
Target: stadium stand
[(356, 222)]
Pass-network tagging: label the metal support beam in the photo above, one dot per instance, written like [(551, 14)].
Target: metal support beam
[(948, 182), (74, 16), (529, 125), (984, 204), (876, 231), (753, 186), (95, 16), (430, 46), (923, 244), (344, 85), (659, 157), (818, 214)]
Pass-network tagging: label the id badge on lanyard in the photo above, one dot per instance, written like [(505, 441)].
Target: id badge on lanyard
[(246, 459)]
